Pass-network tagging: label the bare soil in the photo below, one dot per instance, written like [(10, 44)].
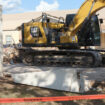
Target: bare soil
[(9, 89)]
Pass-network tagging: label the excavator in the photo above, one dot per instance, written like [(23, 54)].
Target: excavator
[(51, 40)]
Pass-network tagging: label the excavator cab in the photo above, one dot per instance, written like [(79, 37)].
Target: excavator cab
[(89, 33)]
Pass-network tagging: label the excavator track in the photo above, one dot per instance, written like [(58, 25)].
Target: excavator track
[(72, 58)]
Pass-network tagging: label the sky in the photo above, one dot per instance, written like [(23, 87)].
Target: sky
[(21, 6)]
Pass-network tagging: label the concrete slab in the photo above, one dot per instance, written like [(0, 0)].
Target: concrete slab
[(66, 80), (89, 76)]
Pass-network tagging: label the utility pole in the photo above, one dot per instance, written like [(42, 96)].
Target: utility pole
[(1, 44)]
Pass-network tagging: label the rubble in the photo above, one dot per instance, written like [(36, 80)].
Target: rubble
[(10, 55)]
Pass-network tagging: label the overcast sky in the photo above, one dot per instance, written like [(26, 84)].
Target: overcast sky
[(20, 6)]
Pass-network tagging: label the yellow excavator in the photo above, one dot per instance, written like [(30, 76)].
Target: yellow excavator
[(60, 39)]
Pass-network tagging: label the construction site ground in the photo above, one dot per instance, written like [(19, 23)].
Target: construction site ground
[(9, 89)]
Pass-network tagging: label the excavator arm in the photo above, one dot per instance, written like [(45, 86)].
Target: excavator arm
[(88, 8)]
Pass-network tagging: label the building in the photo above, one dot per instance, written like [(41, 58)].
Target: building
[(12, 21)]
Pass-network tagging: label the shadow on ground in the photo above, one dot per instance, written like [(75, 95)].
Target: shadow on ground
[(9, 89)]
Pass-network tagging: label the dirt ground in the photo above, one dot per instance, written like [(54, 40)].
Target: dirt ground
[(9, 89)]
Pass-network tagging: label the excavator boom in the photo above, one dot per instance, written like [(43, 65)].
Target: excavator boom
[(88, 8)]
